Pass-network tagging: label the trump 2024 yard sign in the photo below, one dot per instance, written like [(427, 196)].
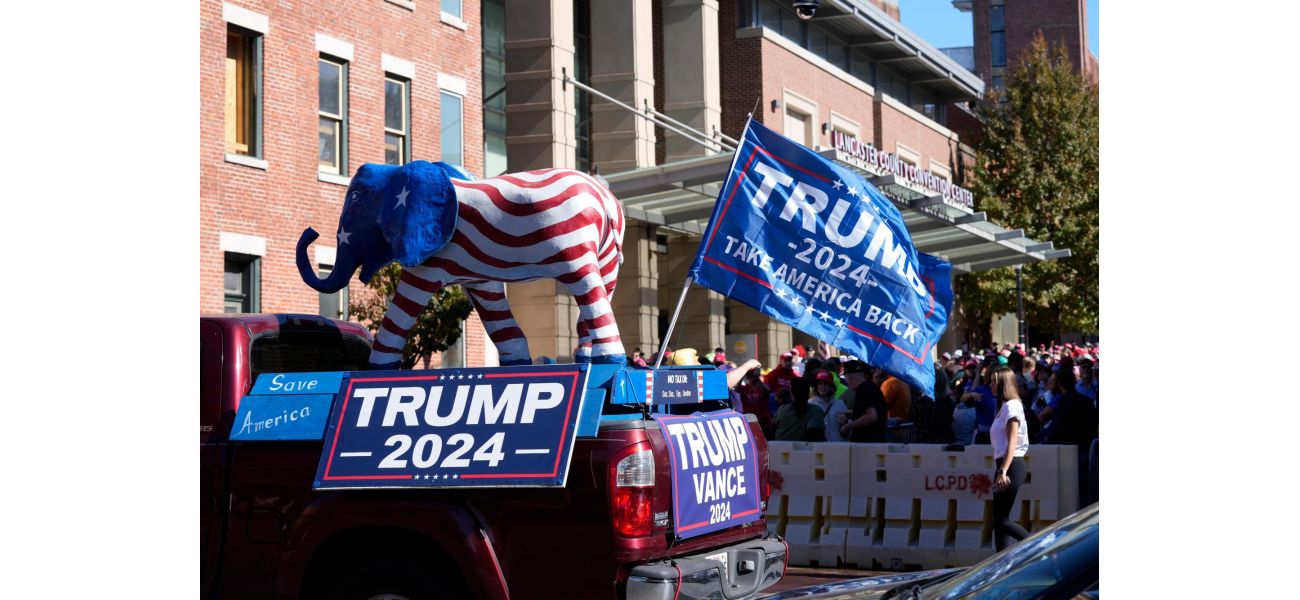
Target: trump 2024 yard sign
[(497, 427)]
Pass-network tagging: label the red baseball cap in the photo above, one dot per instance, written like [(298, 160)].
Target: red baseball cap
[(785, 355), (797, 350), (824, 376)]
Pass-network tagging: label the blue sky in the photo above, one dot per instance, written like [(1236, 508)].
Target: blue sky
[(945, 27)]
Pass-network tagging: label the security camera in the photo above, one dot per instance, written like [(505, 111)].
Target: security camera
[(805, 8)]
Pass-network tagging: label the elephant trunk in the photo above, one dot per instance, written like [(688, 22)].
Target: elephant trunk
[(338, 277)]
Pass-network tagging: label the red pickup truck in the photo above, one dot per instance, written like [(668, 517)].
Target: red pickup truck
[(607, 534)]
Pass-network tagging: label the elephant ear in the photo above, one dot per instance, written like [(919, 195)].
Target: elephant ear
[(419, 215), (455, 171)]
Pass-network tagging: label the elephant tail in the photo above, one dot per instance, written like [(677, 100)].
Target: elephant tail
[(338, 277)]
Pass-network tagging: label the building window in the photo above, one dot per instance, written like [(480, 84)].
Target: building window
[(998, 82), (397, 120), (333, 306), (453, 128), (333, 130), (860, 66), (451, 7), (242, 283), (998, 35), (781, 19), (243, 87), (928, 104), (890, 83), (494, 87)]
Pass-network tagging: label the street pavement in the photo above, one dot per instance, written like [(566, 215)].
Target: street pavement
[(797, 577)]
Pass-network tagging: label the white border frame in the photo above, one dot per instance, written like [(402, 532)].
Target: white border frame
[(398, 66), (907, 154), (242, 243), (238, 15), (845, 124), (334, 47)]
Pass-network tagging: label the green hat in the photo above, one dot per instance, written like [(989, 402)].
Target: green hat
[(1002, 360)]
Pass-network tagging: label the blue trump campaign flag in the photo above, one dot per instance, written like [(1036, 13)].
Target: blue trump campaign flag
[(813, 245)]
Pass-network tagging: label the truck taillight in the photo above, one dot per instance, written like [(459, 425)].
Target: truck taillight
[(631, 490)]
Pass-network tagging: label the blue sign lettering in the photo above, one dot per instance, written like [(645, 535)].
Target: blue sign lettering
[(298, 417), (497, 427), (297, 383), (715, 471)]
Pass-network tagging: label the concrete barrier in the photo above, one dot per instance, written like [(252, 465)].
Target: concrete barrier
[(890, 506), (814, 495)]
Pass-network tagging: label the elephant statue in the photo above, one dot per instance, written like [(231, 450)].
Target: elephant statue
[(444, 228)]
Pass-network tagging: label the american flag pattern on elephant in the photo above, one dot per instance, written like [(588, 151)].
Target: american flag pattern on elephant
[(550, 223)]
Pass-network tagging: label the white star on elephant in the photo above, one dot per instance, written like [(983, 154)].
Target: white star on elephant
[(343, 236), (838, 184), (839, 322), (401, 198), (853, 191)]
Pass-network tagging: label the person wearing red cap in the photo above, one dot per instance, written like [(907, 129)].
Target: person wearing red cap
[(782, 376), (837, 414), (798, 357)]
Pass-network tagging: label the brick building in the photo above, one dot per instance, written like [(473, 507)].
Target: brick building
[(1004, 28), (296, 97), (648, 93)]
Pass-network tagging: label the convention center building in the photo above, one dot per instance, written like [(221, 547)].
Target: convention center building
[(651, 95)]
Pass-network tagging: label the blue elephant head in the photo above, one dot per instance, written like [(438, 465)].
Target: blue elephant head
[(391, 213)]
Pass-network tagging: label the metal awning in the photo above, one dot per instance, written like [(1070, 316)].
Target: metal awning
[(680, 196), (867, 27)]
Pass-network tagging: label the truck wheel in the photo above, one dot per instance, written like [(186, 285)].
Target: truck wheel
[(394, 579)]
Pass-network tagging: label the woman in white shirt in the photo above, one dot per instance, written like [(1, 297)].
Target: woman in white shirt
[(836, 411), (1010, 439)]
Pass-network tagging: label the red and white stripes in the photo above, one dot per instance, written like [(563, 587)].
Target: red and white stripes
[(551, 223)]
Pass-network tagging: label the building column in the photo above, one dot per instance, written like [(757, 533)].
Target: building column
[(692, 86), (540, 127), (636, 300), (540, 133), (702, 324), (774, 337), (622, 66)]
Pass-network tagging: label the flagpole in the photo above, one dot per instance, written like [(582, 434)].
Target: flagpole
[(686, 287)]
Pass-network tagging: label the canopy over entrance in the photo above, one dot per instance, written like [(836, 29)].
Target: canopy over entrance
[(679, 197)]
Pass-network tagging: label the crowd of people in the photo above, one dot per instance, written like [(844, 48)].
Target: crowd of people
[(814, 396), (1009, 397)]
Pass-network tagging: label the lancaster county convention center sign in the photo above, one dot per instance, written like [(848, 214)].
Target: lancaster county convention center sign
[(865, 156)]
